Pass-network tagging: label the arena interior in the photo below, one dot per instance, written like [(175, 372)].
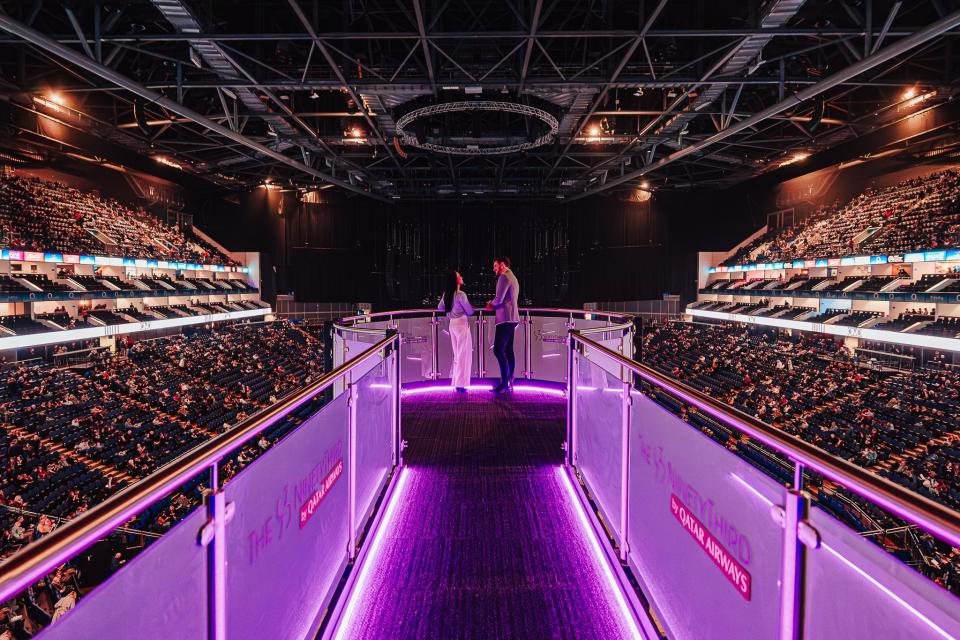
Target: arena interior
[(429, 319)]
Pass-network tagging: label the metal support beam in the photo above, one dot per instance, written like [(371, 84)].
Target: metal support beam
[(900, 47), (49, 45), (606, 89), (322, 47), (534, 23), (427, 56)]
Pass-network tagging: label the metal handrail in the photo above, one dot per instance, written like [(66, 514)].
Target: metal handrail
[(39, 558), (934, 517), (624, 319)]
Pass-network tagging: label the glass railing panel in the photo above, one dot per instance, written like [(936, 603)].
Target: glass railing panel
[(490, 367), (417, 349), (287, 541), (702, 537), (160, 594), (548, 348), (855, 590), (598, 437), (374, 435)]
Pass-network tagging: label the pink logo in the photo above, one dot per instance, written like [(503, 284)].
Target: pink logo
[(313, 502), (735, 573)]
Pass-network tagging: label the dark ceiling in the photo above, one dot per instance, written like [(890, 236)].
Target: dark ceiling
[(650, 95)]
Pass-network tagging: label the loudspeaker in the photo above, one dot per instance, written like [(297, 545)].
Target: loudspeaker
[(817, 116), (140, 117)]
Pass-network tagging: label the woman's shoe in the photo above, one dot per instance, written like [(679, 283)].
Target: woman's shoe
[(500, 388), (461, 389)]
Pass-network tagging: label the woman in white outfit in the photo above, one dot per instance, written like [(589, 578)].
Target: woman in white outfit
[(458, 313)]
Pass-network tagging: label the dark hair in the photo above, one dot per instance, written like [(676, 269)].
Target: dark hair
[(450, 291), (504, 259)]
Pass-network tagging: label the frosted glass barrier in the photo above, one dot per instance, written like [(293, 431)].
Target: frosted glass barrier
[(491, 368), (417, 349), (287, 542), (374, 435), (700, 526), (855, 590), (548, 348), (598, 442), (160, 594), (445, 348)]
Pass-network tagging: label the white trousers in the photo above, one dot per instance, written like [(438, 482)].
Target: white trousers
[(462, 343)]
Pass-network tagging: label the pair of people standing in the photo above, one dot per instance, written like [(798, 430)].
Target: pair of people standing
[(506, 314)]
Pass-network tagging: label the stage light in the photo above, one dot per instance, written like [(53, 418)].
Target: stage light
[(314, 95), (594, 131), (645, 184), (909, 93), (56, 98), (355, 132)]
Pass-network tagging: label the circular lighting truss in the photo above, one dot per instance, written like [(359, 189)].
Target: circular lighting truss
[(553, 126)]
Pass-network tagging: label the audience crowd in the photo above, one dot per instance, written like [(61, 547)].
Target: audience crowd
[(39, 215), (72, 436), (916, 214)]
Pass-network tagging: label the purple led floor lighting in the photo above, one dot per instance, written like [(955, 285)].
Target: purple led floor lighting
[(521, 387), (616, 592), (370, 559)]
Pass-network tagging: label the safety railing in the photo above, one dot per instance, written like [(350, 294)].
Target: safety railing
[(540, 346), (266, 552), (721, 549)]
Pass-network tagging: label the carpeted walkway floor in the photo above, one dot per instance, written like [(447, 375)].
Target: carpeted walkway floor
[(484, 541)]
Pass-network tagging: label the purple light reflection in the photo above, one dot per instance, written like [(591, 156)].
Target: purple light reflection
[(522, 387)]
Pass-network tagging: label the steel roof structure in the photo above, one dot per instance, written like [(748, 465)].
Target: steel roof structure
[(648, 94)]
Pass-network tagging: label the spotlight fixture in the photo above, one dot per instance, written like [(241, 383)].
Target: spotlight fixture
[(355, 132), (908, 93), (645, 184), (57, 98), (314, 95), (594, 131)]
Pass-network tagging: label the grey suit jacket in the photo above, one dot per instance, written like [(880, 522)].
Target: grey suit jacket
[(505, 304)]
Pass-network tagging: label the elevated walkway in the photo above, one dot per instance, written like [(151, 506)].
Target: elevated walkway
[(485, 541), (580, 505)]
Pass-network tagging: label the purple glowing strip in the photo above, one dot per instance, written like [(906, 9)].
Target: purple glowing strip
[(524, 388), (615, 587), (948, 535), (903, 603), (370, 560)]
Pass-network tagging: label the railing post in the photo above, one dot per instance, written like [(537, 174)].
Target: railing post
[(791, 589), (435, 351), (626, 408), (397, 438), (213, 537), (480, 340), (572, 375), (527, 347), (352, 395)]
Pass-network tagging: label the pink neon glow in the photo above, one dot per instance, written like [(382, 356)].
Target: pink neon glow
[(550, 355), (615, 587), (371, 558), (750, 488), (380, 385), (525, 388), (903, 603)]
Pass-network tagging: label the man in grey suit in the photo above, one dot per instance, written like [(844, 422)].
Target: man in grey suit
[(507, 315)]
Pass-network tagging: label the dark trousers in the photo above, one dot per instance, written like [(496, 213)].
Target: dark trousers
[(503, 350)]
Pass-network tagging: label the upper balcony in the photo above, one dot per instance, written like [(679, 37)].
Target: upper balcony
[(598, 499)]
